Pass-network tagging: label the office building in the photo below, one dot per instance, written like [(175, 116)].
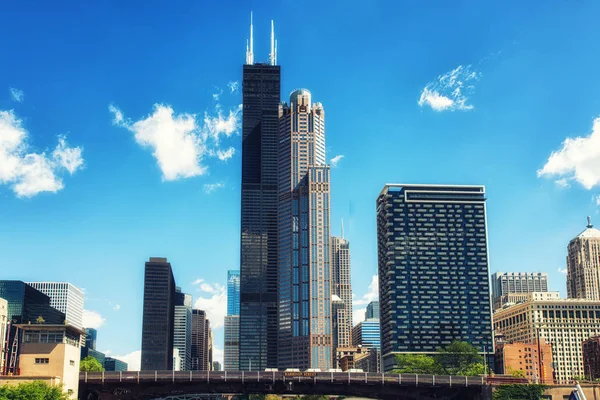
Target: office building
[(113, 364), (533, 360), (233, 292), (342, 288), (182, 330), (258, 252), (89, 352), (201, 357), (90, 338), (372, 310), (563, 323), (216, 366), (370, 362), (51, 350), (231, 355), (433, 269), (583, 265), (591, 357), (158, 316), (341, 333), (366, 334), (3, 332), (513, 287), (64, 297), (304, 236)]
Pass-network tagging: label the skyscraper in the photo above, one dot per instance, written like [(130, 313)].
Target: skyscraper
[(64, 297), (372, 310), (233, 292), (201, 341), (304, 236), (366, 334), (112, 364), (182, 331), (158, 316), (433, 269), (258, 253), (90, 338), (341, 287), (513, 287), (583, 265), (341, 332)]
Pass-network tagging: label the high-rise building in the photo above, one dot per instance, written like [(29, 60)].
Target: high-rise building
[(233, 292), (231, 354), (3, 332), (216, 366), (201, 356), (158, 316), (433, 269), (258, 253), (512, 287), (341, 287), (182, 331), (304, 236), (583, 265), (591, 357), (209, 335), (341, 333), (64, 297), (90, 338), (113, 364), (372, 310), (564, 323), (366, 334)]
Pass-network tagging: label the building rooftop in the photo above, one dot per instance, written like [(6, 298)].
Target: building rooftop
[(50, 327)]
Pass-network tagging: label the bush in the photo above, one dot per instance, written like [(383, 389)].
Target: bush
[(32, 390)]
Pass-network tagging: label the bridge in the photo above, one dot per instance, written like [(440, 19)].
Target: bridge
[(147, 385)]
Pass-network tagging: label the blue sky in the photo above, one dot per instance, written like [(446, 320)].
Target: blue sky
[(119, 132)]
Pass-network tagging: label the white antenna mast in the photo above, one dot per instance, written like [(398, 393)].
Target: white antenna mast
[(342, 228), (273, 54), (250, 51)]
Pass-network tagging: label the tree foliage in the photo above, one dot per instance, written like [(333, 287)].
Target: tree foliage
[(90, 364), (521, 392), (517, 373), (416, 364), (458, 358), (32, 390)]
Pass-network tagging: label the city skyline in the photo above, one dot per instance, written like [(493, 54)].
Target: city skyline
[(103, 223)]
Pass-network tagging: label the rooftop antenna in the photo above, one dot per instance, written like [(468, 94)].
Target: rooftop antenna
[(342, 228), (589, 225), (273, 54), (250, 50)]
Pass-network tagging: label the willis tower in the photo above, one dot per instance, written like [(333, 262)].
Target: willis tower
[(259, 246)]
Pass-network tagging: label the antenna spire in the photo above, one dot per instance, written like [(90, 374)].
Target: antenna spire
[(589, 225), (273, 54), (342, 228), (250, 50)]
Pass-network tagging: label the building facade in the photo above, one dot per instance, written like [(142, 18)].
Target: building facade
[(563, 323), (90, 338), (64, 297), (182, 331), (591, 357), (342, 288), (433, 269), (507, 286), (372, 311), (201, 341), (304, 236), (231, 354), (366, 334), (533, 360), (583, 265), (113, 364), (258, 263), (3, 332), (158, 316), (233, 292), (341, 334)]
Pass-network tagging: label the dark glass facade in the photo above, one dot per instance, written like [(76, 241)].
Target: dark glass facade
[(433, 269), (158, 316), (112, 364), (90, 338), (201, 336), (259, 202)]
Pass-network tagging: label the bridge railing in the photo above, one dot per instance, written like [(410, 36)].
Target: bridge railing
[(165, 377)]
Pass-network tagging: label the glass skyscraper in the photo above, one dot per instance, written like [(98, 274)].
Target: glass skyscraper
[(158, 316), (90, 338), (65, 298), (182, 331), (341, 287), (231, 331), (233, 292), (258, 253), (305, 334), (433, 269), (112, 364), (372, 310), (366, 334)]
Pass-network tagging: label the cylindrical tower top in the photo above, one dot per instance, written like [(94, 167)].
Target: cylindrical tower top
[(301, 97)]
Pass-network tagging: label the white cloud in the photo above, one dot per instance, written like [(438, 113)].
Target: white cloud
[(598, 200), (31, 173), (226, 154), (118, 118), (562, 270), (371, 295), (562, 183), (217, 95), (211, 187), (17, 95), (91, 319), (358, 315), (335, 160), (217, 125), (578, 159), (116, 307), (214, 303), (218, 355), (133, 360), (233, 86), (450, 91)]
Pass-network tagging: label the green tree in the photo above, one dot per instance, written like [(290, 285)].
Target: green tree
[(517, 373), (90, 364), (457, 358), (40, 320), (32, 390), (521, 392), (314, 397), (416, 364)]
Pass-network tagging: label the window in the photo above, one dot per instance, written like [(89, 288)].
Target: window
[(71, 362), (42, 361)]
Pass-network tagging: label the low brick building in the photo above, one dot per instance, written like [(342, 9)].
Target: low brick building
[(591, 357), (524, 357)]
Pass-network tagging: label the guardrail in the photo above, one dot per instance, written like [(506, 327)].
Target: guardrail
[(139, 377)]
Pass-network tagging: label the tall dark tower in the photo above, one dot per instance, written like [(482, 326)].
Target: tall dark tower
[(258, 264), (158, 316)]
